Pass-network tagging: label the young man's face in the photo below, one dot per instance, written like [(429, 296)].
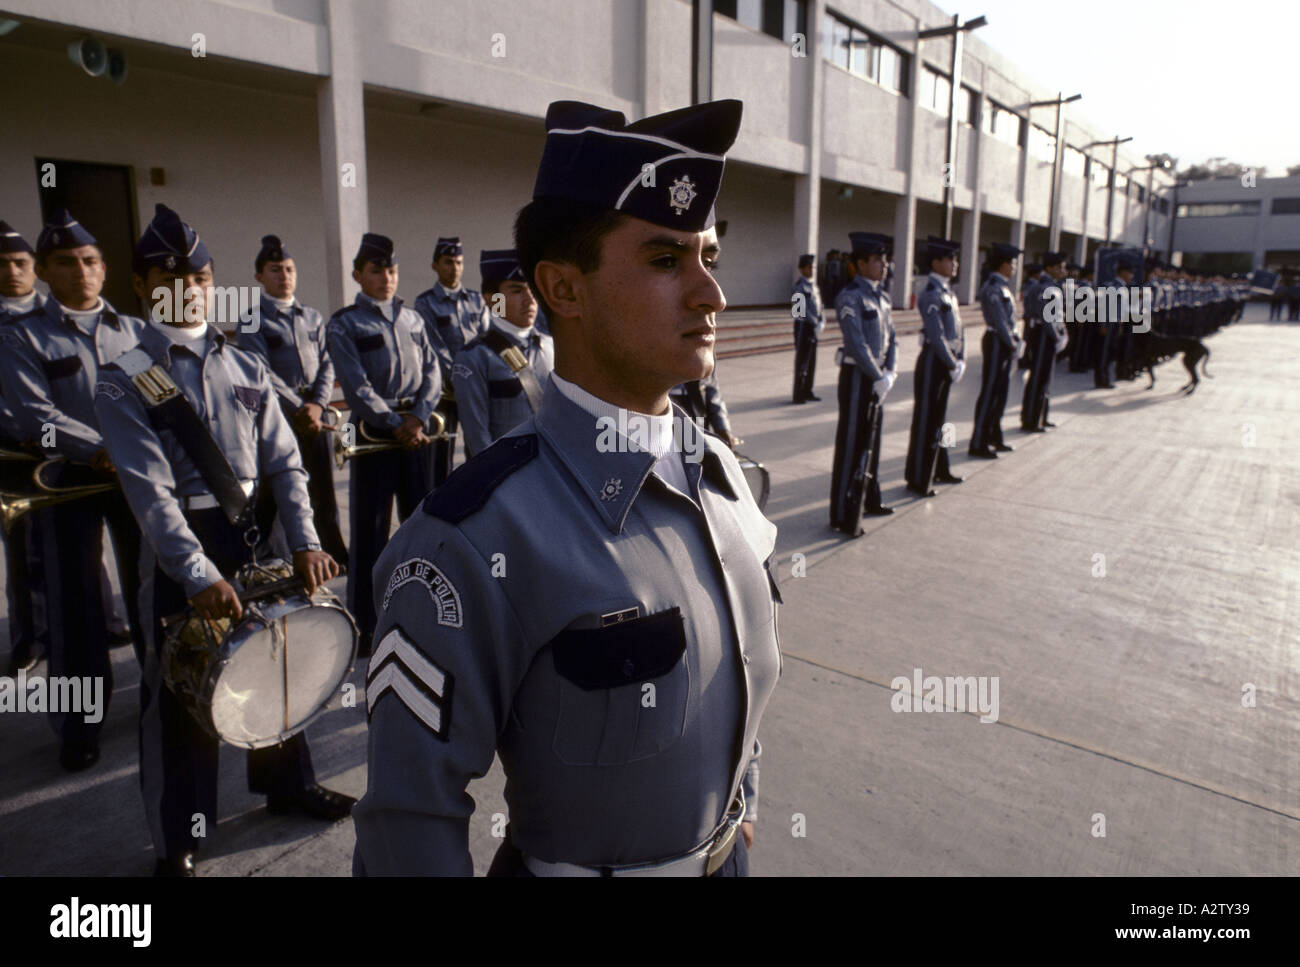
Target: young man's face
[(449, 268), (1055, 271), (279, 279), (157, 291), (1006, 269), (944, 268), (75, 275), (648, 313), (379, 282), (520, 307), (806, 270), (873, 266), (17, 274)]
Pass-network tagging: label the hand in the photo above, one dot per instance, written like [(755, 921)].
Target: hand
[(308, 419), (102, 463), (747, 831), (881, 388), (959, 371), (315, 568), (1019, 348), (218, 601), (410, 434), (734, 441)]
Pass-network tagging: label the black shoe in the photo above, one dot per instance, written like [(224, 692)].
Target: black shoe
[(1032, 429), (922, 493), (314, 800), (1002, 448), (21, 660), (1104, 386), (812, 398), (77, 755), (118, 639), (984, 454), (879, 511), (845, 532), (1049, 424), (797, 402), (178, 864), (948, 478)]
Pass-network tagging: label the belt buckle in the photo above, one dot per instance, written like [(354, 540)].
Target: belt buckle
[(721, 847)]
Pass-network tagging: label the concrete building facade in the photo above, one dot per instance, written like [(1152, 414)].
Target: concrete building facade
[(1239, 224), (320, 119)]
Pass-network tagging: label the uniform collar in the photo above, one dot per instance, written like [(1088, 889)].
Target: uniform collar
[(512, 332), (446, 293), (53, 310), (612, 480), (943, 283), (159, 346), (366, 302), (274, 308), (1000, 277)]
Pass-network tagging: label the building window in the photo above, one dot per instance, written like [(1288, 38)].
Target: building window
[(1001, 124), (1042, 144), (781, 19), (1286, 206), (861, 52), (967, 106), (1100, 174), (1072, 162), (1207, 209)]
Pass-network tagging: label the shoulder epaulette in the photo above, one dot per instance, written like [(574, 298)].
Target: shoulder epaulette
[(932, 286), (468, 488)]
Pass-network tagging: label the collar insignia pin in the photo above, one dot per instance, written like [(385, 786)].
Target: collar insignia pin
[(613, 487)]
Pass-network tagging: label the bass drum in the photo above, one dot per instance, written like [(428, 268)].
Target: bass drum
[(757, 478), (258, 681)]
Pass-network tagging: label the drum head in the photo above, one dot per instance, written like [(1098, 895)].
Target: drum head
[(272, 684)]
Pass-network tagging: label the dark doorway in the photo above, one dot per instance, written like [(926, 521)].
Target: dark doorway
[(99, 196)]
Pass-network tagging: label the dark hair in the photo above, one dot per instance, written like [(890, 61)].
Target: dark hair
[(556, 229)]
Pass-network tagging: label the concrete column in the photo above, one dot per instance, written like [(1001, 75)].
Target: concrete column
[(970, 229), (341, 127), (1081, 247), (808, 186), (1018, 239), (651, 69), (905, 207)]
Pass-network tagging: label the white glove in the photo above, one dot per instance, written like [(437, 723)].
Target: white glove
[(1061, 343), (881, 388), (958, 371), (1020, 349)]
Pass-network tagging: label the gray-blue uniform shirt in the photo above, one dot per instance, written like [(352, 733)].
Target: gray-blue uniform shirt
[(292, 342), (48, 368), (613, 639), (380, 363), (999, 308), (489, 396), (812, 302), (941, 328), (232, 393), (863, 309), (455, 318), (30, 303)]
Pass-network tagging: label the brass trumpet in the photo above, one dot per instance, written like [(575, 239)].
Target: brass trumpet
[(343, 453), (14, 506)]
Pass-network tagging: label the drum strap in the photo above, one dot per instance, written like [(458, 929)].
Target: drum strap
[(502, 345), (168, 407)]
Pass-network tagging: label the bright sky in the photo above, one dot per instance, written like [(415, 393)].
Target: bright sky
[(1191, 78)]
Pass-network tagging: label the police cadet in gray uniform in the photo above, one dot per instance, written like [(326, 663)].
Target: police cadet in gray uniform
[(621, 650), (166, 448), (500, 376), (867, 373), (290, 338), (455, 316), (49, 362), (1048, 336), (806, 306), (701, 400), (24, 565), (1000, 346), (392, 381), (941, 364)]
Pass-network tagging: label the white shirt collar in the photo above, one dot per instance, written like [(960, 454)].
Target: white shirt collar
[(22, 303), (518, 334), (940, 279)]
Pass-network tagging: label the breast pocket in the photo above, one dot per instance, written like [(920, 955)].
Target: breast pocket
[(623, 689), (61, 368), (371, 343)]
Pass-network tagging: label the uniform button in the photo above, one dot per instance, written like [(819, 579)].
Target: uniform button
[(629, 667)]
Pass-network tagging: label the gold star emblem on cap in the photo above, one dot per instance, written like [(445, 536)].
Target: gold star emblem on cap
[(681, 193)]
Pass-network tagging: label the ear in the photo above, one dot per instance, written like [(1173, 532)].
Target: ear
[(137, 286), (356, 276), (562, 286)]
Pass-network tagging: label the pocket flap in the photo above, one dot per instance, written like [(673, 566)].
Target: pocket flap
[(622, 653)]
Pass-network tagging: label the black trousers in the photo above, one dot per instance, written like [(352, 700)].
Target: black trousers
[(508, 861), (805, 358), (76, 611), (1033, 406), (444, 451), (25, 584), (377, 480), (318, 460), (178, 759), (1105, 339), (857, 450), (992, 400), (925, 457)]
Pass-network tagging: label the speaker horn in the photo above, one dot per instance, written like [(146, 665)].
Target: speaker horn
[(116, 66), (89, 54)]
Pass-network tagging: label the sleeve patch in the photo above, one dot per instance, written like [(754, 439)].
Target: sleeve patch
[(461, 370), (398, 667), (111, 390), (441, 591)]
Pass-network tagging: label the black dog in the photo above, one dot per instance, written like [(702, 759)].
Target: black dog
[(1150, 349)]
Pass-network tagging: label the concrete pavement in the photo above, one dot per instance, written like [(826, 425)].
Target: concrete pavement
[(1130, 580)]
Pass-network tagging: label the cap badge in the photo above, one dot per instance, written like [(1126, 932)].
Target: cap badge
[(681, 193), (169, 262)]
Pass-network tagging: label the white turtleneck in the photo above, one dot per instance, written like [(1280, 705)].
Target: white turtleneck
[(84, 319), (385, 308), (668, 459), (186, 336), (520, 334), (19, 304), (284, 304)]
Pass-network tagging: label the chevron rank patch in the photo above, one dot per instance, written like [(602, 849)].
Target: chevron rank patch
[(398, 669)]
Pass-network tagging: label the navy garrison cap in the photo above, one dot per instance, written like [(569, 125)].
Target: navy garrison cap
[(940, 248), (809, 259), (1053, 258), (665, 169), (272, 250), (500, 265), (11, 241), (169, 244), (1073, 266), (1002, 252), (1033, 268), (63, 231), (448, 246), (871, 243), (1126, 260), (377, 249)]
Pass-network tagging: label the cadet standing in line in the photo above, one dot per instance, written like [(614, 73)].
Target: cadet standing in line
[(1000, 346), (24, 567), (806, 304), (290, 339), (196, 540), (867, 373), (1048, 336), (455, 316), (48, 367), (600, 614), (1034, 280), (501, 376), (1109, 331), (942, 363), (392, 381), (702, 401)]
